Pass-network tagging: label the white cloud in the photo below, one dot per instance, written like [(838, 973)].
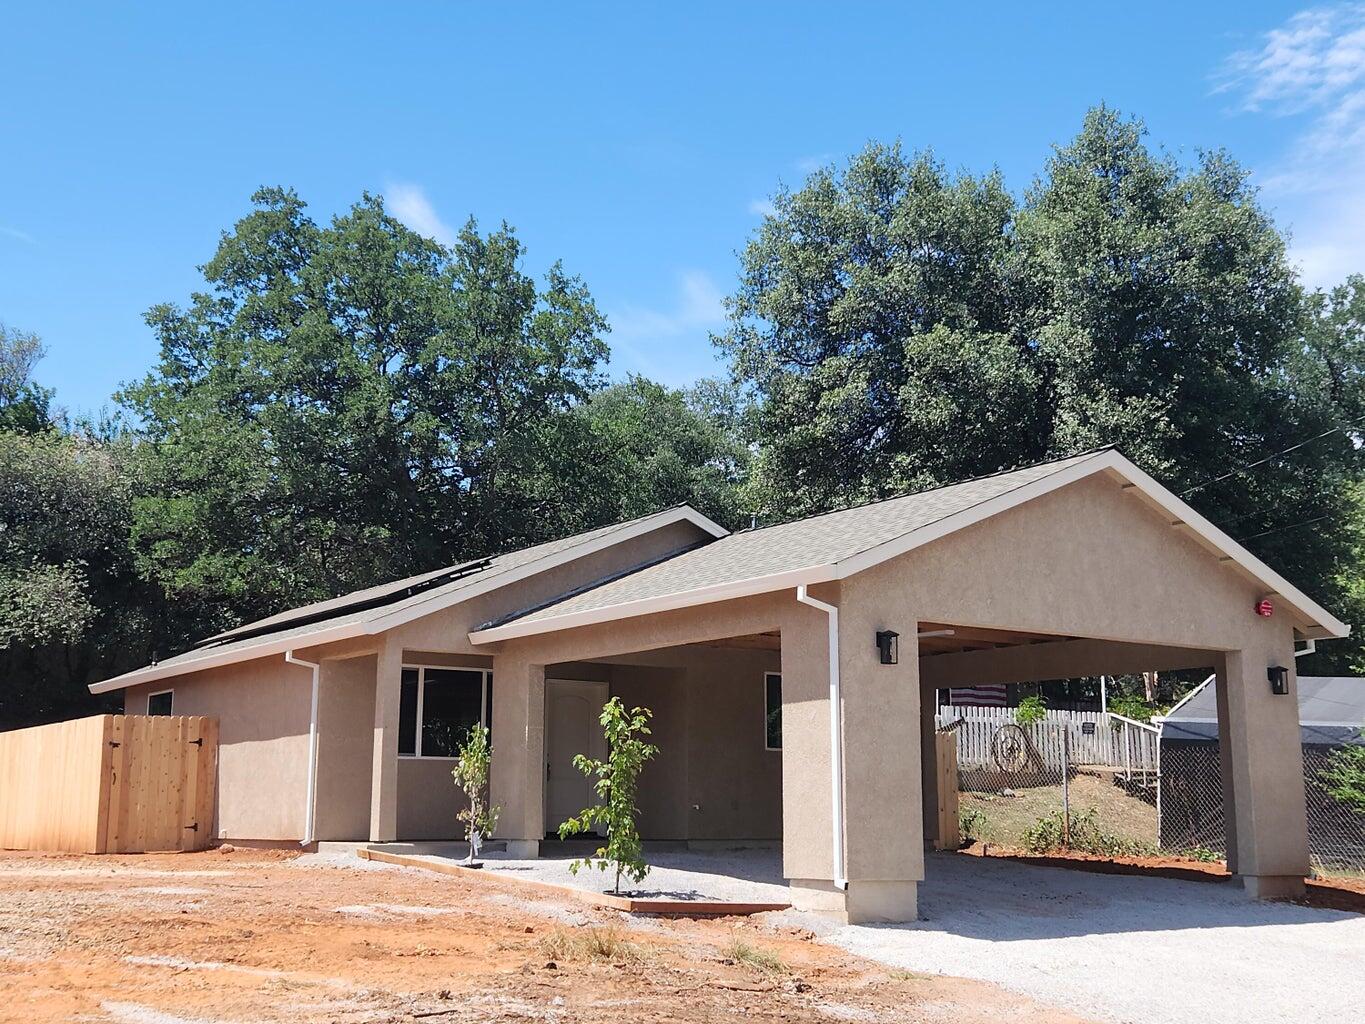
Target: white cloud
[(15, 233), (1312, 69), (809, 164), (762, 208), (409, 203), (648, 337)]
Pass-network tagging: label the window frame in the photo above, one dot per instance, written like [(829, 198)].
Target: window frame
[(766, 677), (421, 670), (158, 693)]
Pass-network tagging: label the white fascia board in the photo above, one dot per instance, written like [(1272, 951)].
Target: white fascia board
[(1322, 623), (649, 606), (216, 659), (421, 609), (325, 634)]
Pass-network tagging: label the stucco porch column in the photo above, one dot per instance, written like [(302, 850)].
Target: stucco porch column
[(1267, 827), (384, 765), (883, 817), (517, 772)]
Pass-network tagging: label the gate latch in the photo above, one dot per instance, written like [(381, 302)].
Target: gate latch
[(192, 828)]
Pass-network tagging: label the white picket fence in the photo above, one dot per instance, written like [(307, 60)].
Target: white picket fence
[(1112, 740)]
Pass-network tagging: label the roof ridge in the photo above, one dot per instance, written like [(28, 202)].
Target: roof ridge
[(930, 490)]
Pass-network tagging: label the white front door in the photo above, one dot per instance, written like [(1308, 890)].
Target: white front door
[(572, 709)]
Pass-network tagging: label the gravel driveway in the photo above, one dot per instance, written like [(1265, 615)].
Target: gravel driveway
[(1139, 950)]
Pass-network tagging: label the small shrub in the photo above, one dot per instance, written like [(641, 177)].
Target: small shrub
[(1130, 706), (971, 823), (1087, 836), (1030, 710), (741, 952), (1344, 777), (1202, 854), (608, 945)]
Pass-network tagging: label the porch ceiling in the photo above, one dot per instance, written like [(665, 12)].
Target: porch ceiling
[(937, 638)]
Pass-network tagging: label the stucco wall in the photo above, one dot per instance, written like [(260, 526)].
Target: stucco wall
[(345, 742), (262, 709)]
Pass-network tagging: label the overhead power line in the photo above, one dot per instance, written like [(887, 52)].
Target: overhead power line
[(1263, 461)]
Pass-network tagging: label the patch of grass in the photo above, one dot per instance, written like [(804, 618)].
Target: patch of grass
[(608, 945), (898, 974), (741, 951)]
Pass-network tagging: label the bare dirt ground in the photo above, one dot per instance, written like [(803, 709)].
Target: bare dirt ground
[(255, 936)]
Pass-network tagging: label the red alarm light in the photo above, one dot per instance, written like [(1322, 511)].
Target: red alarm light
[(1264, 608)]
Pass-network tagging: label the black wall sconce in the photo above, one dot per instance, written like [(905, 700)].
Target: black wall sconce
[(888, 646), (1279, 679)]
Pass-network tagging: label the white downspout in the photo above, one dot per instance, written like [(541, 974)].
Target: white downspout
[(836, 733), (310, 812)]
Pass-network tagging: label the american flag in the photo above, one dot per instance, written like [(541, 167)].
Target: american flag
[(992, 696)]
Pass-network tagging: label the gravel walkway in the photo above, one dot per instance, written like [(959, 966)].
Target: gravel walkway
[(1132, 950)]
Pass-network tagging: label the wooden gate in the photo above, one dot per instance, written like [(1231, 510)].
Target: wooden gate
[(945, 765), (109, 784)]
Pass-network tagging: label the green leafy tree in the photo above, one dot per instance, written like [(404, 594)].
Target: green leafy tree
[(1030, 710), (352, 402), (872, 326), (650, 447), (1344, 777), (24, 404), (616, 786), (897, 326), (471, 775)]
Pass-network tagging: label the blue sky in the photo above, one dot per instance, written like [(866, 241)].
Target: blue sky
[(635, 142)]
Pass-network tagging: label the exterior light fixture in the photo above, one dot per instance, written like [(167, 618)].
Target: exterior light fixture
[(888, 646), (1279, 679)]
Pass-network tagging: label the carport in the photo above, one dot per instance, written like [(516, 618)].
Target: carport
[(1072, 568)]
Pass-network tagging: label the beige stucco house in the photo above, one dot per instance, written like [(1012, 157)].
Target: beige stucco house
[(775, 710)]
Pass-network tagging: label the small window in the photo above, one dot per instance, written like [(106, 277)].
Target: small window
[(159, 703), (438, 706), (772, 699)]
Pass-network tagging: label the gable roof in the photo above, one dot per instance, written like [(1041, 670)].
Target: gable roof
[(377, 609), (839, 544), (1331, 710)]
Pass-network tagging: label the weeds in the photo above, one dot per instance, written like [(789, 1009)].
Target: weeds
[(591, 944), (741, 952), (1086, 834), (970, 823)]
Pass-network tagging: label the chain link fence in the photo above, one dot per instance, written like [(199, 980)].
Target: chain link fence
[(1031, 787)]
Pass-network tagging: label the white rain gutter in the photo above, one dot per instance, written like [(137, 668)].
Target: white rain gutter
[(836, 734), (310, 811)]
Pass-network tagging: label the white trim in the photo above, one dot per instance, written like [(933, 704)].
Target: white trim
[(158, 693), (836, 735), (1322, 623), (766, 677), (421, 669), (214, 658), (311, 806), (666, 602)]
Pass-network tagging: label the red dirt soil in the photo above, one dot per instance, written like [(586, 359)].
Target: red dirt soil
[(257, 935), (1323, 893)]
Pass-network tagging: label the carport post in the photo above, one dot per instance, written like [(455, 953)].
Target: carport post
[(1268, 828), (384, 767), (517, 782)]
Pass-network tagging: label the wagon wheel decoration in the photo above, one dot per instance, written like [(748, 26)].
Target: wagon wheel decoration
[(1010, 748)]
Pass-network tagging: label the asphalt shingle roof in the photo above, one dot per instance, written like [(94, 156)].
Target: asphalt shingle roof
[(816, 541)]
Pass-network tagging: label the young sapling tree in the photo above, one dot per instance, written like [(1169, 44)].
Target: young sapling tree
[(616, 786), (471, 775)]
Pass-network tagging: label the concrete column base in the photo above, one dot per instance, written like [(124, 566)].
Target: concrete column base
[(866, 902), (523, 849), (1273, 887)]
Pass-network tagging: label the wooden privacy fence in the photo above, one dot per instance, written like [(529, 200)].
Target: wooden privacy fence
[(109, 784)]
